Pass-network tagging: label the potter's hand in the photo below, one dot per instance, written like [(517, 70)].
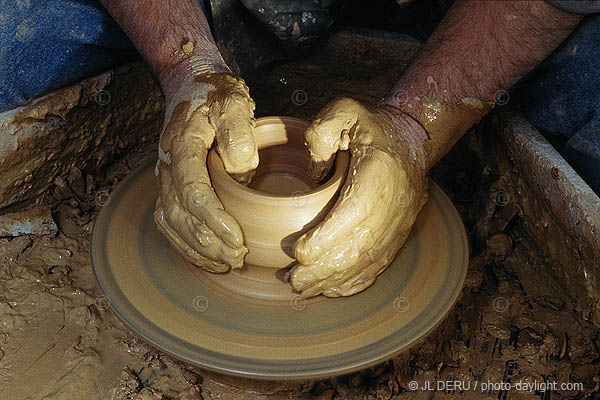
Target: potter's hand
[(188, 212), (383, 193)]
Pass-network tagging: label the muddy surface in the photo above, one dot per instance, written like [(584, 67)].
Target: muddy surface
[(59, 339)]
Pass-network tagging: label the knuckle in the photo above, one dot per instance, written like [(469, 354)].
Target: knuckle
[(344, 102), (240, 145), (196, 195)]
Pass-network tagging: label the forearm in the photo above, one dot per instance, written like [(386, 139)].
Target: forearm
[(173, 36), (479, 48)]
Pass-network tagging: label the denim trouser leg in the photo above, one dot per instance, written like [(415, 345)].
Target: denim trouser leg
[(47, 44), (563, 98)]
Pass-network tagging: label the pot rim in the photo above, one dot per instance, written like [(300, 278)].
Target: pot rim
[(342, 163)]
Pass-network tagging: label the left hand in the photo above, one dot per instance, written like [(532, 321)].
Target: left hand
[(207, 107), (385, 189)]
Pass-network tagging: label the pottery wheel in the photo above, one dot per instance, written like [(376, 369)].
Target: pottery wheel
[(252, 324)]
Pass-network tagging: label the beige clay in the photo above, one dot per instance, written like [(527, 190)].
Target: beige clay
[(282, 202), (446, 122), (188, 213), (383, 193)]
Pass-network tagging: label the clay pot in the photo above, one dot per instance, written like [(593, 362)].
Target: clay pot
[(282, 202)]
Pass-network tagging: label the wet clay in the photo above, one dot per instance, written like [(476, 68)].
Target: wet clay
[(281, 202), (512, 321), (383, 193), (446, 122), (59, 340), (62, 101), (189, 214)]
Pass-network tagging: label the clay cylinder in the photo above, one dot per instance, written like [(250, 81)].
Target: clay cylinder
[(282, 202)]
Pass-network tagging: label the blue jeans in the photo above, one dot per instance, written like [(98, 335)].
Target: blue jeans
[(47, 44), (564, 99)]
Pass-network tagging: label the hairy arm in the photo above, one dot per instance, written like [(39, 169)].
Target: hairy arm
[(205, 104), (479, 48), (173, 36)]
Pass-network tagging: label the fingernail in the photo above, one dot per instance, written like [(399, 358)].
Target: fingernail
[(231, 239)]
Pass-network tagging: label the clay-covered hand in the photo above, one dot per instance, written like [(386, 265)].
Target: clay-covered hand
[(206, 107), (384, 191)]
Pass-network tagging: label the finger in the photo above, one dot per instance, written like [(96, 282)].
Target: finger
[(188, 242), (353, 264), (337, 260), (213, 246), (369, 265), (182, 228), (340, 261), (320, 277), (192, 181), (202, 202), (328, 133), (193, 231), (188, 150), (244, 178), (215, 264), (184, 249), (365, 193), (236, 139), (361, 273)]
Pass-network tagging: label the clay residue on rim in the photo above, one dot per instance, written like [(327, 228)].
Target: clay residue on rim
[(217, 166), (282, 143)]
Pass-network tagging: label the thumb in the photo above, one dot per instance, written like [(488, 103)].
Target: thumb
[(233, 120), (330, 131)]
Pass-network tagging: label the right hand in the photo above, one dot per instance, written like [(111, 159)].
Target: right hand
[(204, 107), (385, 189)]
